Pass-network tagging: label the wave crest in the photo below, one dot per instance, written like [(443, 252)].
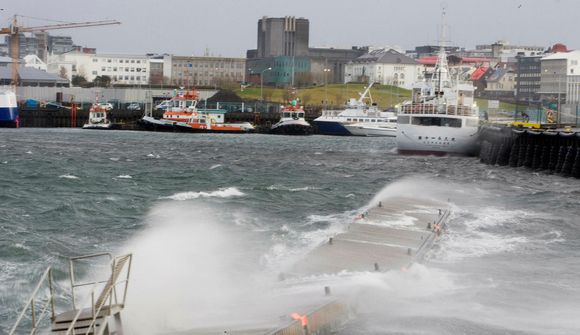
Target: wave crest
[(221, 193)]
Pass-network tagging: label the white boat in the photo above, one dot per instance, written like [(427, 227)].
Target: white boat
[(357, 119), (442, 117), (374, 127), (98, 118), (8, 109), (292, 122)]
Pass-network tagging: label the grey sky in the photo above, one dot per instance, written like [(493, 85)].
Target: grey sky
[(228, 27)]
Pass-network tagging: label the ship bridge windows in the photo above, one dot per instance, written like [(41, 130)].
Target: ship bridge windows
[(286, 114), (436, 121)]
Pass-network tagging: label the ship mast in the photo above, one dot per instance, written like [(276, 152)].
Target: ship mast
[(442, 68)]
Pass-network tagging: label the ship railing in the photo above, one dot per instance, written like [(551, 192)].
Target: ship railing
[(38, 313), (419, 108)]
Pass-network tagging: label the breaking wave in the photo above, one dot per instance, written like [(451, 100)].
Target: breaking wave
[(221, 193)]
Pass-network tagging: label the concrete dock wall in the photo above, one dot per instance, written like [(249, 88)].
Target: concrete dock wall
[(553, 151)]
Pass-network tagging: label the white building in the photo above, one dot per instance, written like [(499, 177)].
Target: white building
[(204, 71), (384, 66), (560, 75), (122, 69), (35, 62)]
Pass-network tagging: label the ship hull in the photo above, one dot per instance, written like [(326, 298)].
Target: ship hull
[(332, 128), (150, 123), (361, 130), (293, 127), (438, 141)]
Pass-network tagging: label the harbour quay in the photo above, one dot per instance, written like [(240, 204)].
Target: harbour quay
[(553, 150)]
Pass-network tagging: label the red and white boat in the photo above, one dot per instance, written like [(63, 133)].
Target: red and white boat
[(182, 115)]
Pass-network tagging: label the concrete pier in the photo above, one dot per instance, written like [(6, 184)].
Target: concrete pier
[(391, 235)]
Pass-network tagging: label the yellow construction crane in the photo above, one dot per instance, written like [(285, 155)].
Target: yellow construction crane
[(15, 29)]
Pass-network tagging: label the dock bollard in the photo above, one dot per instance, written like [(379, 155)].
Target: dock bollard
[(409, 251), (327, 290), (439, 211), (377, 267), (429, 225), (380, 204), (330, 241)]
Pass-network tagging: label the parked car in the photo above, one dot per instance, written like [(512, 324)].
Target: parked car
[(163, 105), (134, 106), (53, 105), (106, 106)]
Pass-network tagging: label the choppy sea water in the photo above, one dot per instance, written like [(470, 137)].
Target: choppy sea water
[(211, 216)]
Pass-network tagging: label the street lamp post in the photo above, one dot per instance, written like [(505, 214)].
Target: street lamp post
[(262, 83), (325, 87)]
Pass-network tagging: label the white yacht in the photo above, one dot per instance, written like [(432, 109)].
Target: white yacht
[(292, 121), (357, 119), (442, 117)]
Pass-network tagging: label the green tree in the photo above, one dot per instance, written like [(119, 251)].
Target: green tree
[(102, 81), (78, 80)]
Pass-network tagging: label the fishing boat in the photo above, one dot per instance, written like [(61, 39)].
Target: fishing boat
[(182, 114), (98, 118), (357, 119), (292, 121), (442, 117), (8, 109)]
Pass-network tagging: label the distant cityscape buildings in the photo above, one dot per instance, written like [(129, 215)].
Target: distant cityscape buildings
[(524, 74)]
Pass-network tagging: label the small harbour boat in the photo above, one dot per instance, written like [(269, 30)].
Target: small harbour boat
[(98, 119), (182, 114), (292, 121), (357, 119), (442, 117), (8, 110), (374, 126)]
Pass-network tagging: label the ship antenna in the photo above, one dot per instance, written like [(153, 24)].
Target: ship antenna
[(442, 58)]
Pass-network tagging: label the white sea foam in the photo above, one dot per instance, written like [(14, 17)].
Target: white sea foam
[(215, 166), (478, 237), (5, 162), (114, 159), (68, 176), (221, 193), (124, 176), (290, 189), (29, 152)]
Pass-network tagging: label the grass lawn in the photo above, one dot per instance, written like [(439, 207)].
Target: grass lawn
[(336, 94)]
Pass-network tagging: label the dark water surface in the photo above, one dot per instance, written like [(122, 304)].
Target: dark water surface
[(192, 205)]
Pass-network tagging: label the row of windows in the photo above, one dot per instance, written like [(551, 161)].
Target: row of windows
[(116, 60), (208, 74), (127, 69), (208, 65), (369, 120)]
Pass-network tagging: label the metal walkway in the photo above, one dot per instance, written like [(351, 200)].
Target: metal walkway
[(100, 315)]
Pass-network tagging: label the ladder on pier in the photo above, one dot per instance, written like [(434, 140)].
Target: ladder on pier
[(100, 315)]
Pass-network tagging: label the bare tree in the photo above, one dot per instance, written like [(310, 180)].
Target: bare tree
[(63, 73)]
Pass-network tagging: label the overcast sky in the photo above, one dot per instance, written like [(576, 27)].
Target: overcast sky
[(228, 27)]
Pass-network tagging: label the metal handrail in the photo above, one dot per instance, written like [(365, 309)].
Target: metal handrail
[(109, 293), (30, 304), (73, 283), (422, 108)]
